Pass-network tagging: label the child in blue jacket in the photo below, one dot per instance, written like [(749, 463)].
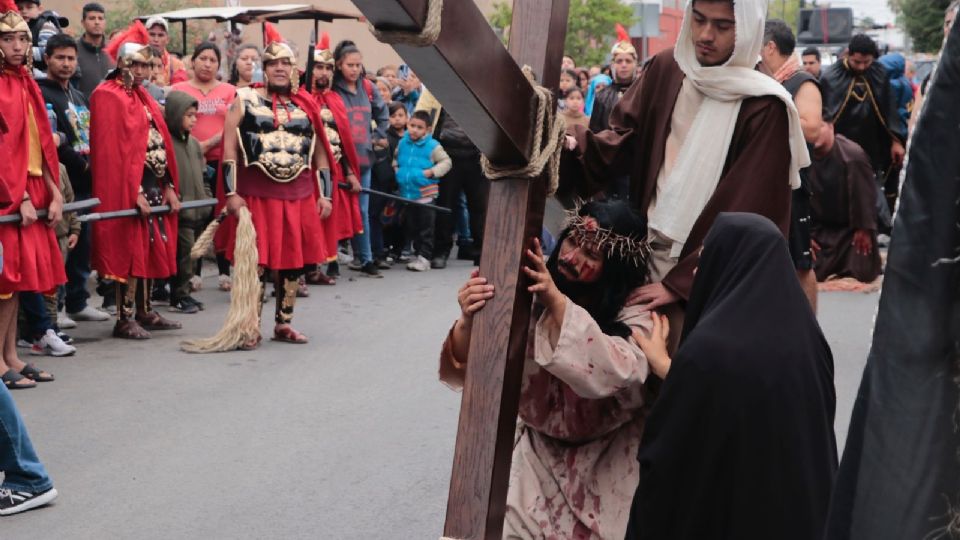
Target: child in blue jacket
[(420, 163)]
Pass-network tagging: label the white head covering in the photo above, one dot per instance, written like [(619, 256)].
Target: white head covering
[(699, 163)]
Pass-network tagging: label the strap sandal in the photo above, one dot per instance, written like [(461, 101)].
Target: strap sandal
[(15, 381), (286, 334), (155, 321), (319, 278), (130, 329), (31, 372)]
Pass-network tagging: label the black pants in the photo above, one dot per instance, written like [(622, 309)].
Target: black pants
[(466, 176), (419, 225)]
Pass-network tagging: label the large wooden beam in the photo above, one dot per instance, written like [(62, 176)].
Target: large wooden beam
[(488, 412), (469, 71)]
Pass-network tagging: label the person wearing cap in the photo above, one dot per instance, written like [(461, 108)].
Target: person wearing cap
[(43, 25), (624, 64), (92, 62), (275, 158), (174, 70), (134, 166)]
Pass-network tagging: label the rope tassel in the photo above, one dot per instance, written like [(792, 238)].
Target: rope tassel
[(242, 326)]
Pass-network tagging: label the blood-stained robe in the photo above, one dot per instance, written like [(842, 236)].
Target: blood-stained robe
[(843, 197), (582, 408), (755, 177)]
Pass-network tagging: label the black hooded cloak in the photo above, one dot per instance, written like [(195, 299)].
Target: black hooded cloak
[(740, 443)]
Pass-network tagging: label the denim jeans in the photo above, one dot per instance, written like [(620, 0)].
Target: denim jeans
[(361, 242), (78, 272), (36, 318), (18, 461)]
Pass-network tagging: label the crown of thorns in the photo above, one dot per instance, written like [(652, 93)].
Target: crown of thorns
[(586, 230)]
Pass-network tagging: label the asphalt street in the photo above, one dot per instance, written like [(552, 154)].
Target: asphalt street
[(349, 437)]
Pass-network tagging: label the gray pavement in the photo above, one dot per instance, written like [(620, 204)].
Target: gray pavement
[(349, 437)]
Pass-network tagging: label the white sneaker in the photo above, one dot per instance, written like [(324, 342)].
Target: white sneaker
[(65, 322), (420, 264), (51, 345), (23, 344), (89, 314)]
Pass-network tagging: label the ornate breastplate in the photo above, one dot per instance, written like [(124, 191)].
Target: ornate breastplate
[(281, 149), (156, 160), (333, 135)]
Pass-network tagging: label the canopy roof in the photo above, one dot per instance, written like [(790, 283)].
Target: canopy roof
[(248, 14)]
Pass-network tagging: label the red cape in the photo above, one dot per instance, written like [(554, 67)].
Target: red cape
[(118, 148), (303, 100), (17, 90), (345, 221)]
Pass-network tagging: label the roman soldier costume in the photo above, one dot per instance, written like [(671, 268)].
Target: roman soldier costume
[(132, 155), (277, 179), (345, 220), (31, 255)]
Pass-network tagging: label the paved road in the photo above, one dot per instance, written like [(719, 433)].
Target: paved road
[(350, 437)]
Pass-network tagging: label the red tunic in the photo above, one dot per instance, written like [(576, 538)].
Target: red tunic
[(290, 234), (118, 144), (345, 221), (31, 255)]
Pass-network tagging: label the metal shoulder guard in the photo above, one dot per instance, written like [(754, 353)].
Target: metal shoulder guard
[(230, 176)]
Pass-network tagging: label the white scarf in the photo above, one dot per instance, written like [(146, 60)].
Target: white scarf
[(700, 161)]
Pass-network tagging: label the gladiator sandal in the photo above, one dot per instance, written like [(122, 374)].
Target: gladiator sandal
[(286, 299)]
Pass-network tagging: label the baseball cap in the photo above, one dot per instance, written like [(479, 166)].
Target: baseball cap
[(155, 20)]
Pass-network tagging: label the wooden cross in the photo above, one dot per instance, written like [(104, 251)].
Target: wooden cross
[(481, 85)]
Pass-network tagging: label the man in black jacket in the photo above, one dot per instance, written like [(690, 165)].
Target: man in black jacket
[(465, 177), (93, 62), (73, 123)]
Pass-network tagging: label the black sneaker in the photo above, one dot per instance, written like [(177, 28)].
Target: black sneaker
[(370, 270), (333, 269), (184, 305), (439, 262), (382, 264), (14, 502), (160, 293)]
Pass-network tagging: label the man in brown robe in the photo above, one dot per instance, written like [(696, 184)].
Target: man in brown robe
[(843, 196), (759, 154)]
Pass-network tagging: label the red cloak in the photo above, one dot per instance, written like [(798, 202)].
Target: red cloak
[(227, 232), (118, 146), (345, 221), (31, 257)]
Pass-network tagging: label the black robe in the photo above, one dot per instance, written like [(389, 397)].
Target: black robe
[(863, 109), (740, 443), (900, 475), (844, 196), (604, 104)]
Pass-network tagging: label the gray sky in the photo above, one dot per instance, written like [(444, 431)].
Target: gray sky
[(876, 9)]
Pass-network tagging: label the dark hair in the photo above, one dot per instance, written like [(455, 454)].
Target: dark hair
[(863, 44), (572, 90), (421, 115), (781, 35), (344, 48), (92, 7), (396, 106), (812, 51), (59, 41), (619, 276), (572, 73), (570, 57), (234, 74), (206, 46)]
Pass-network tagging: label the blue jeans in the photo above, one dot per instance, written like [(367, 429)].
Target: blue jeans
[(78, 272), (18, 461), (38, 320), (361, 242)]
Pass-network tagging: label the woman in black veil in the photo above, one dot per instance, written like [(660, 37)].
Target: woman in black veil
[(740, 443)]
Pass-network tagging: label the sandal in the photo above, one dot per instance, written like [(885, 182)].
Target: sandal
[(155, 321), (319, 278), (37, 375), (286, 334), (14, 381), (251, 345), (130, 329)]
